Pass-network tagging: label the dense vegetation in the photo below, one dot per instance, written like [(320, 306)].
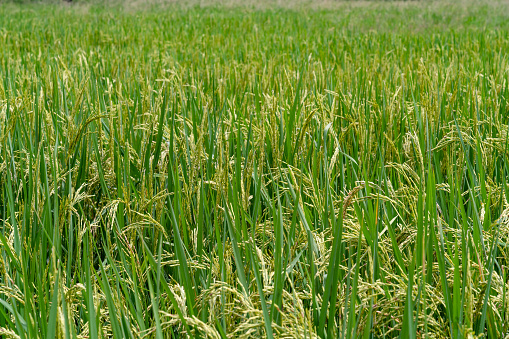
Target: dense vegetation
[(336, 171)]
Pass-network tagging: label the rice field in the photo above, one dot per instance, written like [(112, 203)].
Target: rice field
[(247, 170)]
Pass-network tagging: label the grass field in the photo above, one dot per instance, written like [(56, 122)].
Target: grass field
[(315, 170)]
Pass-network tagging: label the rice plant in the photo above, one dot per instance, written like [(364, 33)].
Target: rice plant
[(240, 171)]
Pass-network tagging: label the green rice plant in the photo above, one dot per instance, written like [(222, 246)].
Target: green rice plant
[(253, 170)]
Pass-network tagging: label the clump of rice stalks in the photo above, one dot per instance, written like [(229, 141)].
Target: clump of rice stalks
[(244, 173)]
